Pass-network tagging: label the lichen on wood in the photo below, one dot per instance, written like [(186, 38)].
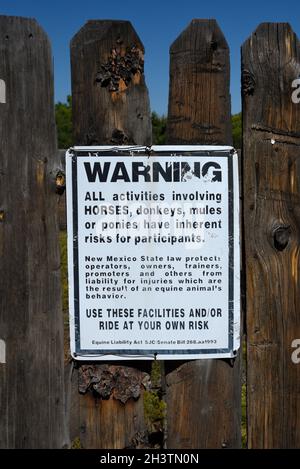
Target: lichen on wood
[(120, 68), (121, 382)]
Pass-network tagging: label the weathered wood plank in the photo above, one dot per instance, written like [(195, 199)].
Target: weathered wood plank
[(199, 99), (110, 106), (203, 396), (109, 97), (111, 413), (31, 380), (271, 138)]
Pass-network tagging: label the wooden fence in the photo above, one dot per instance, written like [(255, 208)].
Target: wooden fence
[(46, 403)]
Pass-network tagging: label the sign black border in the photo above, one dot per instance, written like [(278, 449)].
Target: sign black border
[(146, 353)]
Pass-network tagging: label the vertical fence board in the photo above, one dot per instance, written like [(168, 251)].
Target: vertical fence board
[(109, 97), (31, 379), (110, 107), (271, 138), (203, 396), (199, 99)]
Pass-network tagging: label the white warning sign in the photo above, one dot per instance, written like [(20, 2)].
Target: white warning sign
[(153, 249)]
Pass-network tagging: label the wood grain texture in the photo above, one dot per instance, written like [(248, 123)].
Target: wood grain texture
[(271, 138), (203, 396), (199, 99), (110, 106), (61, 181), (109, 97), (117, 425), (31, 380), (203, 404)]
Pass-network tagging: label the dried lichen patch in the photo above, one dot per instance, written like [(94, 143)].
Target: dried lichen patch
[(123, 66)]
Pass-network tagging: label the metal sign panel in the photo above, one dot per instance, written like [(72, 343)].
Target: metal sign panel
[(153, 252)]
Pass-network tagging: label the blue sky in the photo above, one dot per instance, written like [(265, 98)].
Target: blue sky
[(158, 23)]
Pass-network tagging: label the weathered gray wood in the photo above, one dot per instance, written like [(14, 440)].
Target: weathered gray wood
[(199, 99), (111, 405), (271, 139), (110, 106), (31, 380), (203, 396), (203, 404), (109, 97)]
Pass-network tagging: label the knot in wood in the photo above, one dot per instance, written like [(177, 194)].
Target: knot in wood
[(248, 83), (214, 45), (119, 137), (281, 237), (60, 182)]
